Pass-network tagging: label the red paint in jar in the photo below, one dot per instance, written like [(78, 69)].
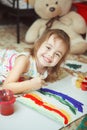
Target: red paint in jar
[(84, 86), (7, 100)]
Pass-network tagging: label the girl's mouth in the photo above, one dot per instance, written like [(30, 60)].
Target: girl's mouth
[(46, 59)]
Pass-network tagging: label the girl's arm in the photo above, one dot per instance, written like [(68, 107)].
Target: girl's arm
[(21, 66)]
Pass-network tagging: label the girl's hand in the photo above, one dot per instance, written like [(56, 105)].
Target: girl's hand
[(37, 83)]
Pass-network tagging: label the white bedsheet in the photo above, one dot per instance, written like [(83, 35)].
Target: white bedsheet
[(25, 118)]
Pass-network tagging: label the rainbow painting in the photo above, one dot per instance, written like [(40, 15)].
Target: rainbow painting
[(53, 104)]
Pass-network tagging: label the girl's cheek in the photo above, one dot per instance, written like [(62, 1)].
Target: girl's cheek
[(56, 61)]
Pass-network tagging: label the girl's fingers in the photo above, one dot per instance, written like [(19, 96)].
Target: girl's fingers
[(44, 83)]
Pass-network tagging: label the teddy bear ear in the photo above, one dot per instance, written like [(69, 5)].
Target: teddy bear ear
[(32, 2)]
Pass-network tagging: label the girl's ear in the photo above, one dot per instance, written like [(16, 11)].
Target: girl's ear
[(32, 2)]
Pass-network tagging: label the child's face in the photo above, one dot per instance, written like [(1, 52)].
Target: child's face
[(50, 52)]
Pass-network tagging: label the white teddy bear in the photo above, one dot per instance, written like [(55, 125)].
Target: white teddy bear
[(57, 14)]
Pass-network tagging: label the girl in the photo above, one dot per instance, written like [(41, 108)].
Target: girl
[(37, 67)]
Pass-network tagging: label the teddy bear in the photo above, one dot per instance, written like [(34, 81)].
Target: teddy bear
[(58, 14)]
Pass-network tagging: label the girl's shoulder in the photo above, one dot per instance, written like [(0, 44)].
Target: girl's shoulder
[(23, 54)]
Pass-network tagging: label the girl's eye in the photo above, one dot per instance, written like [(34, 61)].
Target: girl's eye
[(48, 47), (57, 54)]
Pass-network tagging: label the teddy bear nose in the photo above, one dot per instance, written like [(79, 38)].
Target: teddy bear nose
[(52, 9)]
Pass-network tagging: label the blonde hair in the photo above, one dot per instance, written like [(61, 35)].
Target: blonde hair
[(53, 72)]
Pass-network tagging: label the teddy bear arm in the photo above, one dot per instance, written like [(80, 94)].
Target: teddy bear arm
[(79, 48), (78, 23), (33, 32)]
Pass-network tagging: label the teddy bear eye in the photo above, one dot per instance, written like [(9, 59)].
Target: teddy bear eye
[(56, 2), (47, 5)]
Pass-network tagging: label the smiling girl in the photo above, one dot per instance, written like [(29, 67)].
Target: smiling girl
[(39, 66)]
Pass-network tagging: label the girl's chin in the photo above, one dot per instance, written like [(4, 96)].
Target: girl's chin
[(43, 63)]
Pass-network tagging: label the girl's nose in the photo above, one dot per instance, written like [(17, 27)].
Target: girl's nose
[(51, 54)]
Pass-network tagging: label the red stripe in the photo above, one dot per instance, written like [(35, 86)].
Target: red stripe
[(41, 103)]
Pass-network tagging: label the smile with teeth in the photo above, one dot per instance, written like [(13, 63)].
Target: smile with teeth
[(46, 59)]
